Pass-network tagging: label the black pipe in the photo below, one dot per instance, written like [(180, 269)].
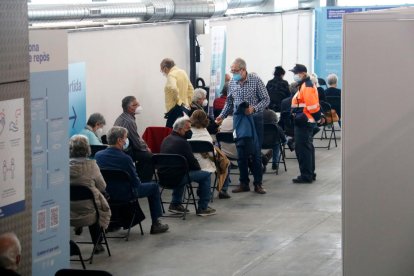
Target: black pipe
[(193, 60)]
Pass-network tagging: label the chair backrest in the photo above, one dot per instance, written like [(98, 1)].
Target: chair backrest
[(104, 139), (322, 82), (271, 136), (326, 109), (169, 169), (80, 192), (96, 148), (118, 184), (154, 135), (81, 272), (335, 102), (201, 146), (225, 137)]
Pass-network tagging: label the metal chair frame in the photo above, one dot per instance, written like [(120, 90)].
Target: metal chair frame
[(271, 138)]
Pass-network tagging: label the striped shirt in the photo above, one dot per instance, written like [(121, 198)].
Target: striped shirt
[(252, 91), (127, 121)]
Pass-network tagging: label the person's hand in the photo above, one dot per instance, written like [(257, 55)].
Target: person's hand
[(219, 120), (249, 110), (148, 149)]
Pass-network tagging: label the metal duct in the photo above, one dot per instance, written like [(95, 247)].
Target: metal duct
[(153, 10)]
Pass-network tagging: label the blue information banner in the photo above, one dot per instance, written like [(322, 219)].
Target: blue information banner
[(77, 98)]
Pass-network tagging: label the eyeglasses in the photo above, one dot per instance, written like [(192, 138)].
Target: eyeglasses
[(235, 71)]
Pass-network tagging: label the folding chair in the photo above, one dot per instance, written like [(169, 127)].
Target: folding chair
[(79, 193), (169, 172), (80, 272), (205, 147), (75, 251), (125, 208), (96, 148), (226, 138), (335, 102), (287, 124), (271, 138), (327, 127)]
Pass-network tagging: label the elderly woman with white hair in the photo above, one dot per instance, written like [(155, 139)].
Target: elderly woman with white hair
[(85, 172), (200, 102)]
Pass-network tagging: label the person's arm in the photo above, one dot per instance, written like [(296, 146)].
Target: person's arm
[(130, 168), (171, 89), (193, 164), (135, 138), (262, 95), (228, 106), (190, 92)]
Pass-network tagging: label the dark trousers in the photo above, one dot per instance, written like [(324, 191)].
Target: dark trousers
[(152, 192), (305, 151), (175, 113), (143, 165), (95, 231)]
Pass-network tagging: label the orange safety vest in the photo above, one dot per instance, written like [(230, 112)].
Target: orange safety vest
[(307, 98)]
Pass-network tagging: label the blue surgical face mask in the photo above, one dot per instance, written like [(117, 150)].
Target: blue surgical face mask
[(237, 76), (297, 78), (126, 145)]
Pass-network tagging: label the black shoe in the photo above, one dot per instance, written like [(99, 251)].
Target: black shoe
[(206, 212), (259, 189), (158, 227), (99, 249), (300, 180), (314, 177), (224, 195), (113, 228), (177, 209), (275, 167), (291, 144), (78, 231)]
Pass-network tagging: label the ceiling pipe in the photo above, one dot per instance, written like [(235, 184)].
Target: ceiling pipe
[(153, 10)]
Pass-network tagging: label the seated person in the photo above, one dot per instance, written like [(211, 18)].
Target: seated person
[(199, 122), (229, 150), (270, 117), (85, 172), (200, 102), (93, 129), (321, 91), (114, 158), (219, 103), (138, 149), (333, 91), (176, 143), (10, 254)]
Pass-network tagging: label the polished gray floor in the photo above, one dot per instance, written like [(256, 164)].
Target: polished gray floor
[(295, 229)]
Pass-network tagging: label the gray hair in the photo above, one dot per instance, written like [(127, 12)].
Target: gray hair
[(79, 146), (314, 79), (10, 248), (240, 63), (115, 133), (180, 123), (332, 79), (95, 119), (167, 63), (199, 93), (126, 102)]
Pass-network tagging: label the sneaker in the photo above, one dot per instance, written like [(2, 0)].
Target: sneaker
[(241, 188), (223, 195), (259, 189), (177, 209), (206, 212), (99, 249), (274, 166), (300, 180), (158, 227)]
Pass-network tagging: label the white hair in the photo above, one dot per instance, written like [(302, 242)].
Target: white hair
[(332, 79), (314, 79), (180, 123), (199, 93), (10, 248)]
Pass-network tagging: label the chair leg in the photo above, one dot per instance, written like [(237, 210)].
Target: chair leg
[(106, 241), (213, 189)]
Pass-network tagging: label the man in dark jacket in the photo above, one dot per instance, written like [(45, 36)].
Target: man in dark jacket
[(176, 143), (277, 88)]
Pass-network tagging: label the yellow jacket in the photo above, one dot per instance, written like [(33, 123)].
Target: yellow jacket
[(178, 89)]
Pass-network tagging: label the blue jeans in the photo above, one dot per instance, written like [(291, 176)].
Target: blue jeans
[(242, 160), (305, 151), (203, 179), (227, 182), (152, 192)]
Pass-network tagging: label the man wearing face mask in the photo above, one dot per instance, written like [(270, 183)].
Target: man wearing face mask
[(247, 89), (114, 158), (305, 104), (176, 143), (93, 129), (178, 91), (137, 149)]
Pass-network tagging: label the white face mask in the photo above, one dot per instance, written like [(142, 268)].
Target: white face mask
[(138, 110), (205, 102), (99, 132), (297, 78)]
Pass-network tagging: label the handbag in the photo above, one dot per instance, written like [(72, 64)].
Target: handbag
[(331, 116)]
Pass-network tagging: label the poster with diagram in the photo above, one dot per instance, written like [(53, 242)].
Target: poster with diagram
[(12, 176)]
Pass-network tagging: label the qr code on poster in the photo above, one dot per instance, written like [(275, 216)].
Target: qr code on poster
[(41, 220), (54, 216)]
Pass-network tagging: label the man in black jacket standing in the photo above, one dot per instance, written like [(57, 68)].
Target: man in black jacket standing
[(176, 143), (277, 88)]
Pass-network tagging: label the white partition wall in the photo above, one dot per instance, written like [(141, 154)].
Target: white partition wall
[(264, 41), (378, 151), (122, 61)]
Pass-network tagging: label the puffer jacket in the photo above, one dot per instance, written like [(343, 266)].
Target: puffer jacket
[(82, 213)]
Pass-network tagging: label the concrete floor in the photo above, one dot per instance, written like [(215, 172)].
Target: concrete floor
[(295, 229)]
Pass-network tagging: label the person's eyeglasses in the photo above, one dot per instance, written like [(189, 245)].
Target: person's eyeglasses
[(235, 71)]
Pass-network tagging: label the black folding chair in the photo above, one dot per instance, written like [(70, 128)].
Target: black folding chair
[(271, 139), (335, 102), (80, 193), (75, 251), (125, 208), (226, 138), (80, 272), (205, 147), (96, 148), (327, 126), (169, 171)]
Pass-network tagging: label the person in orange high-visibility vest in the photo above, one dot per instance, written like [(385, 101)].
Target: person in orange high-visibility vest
[(305, 103)]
